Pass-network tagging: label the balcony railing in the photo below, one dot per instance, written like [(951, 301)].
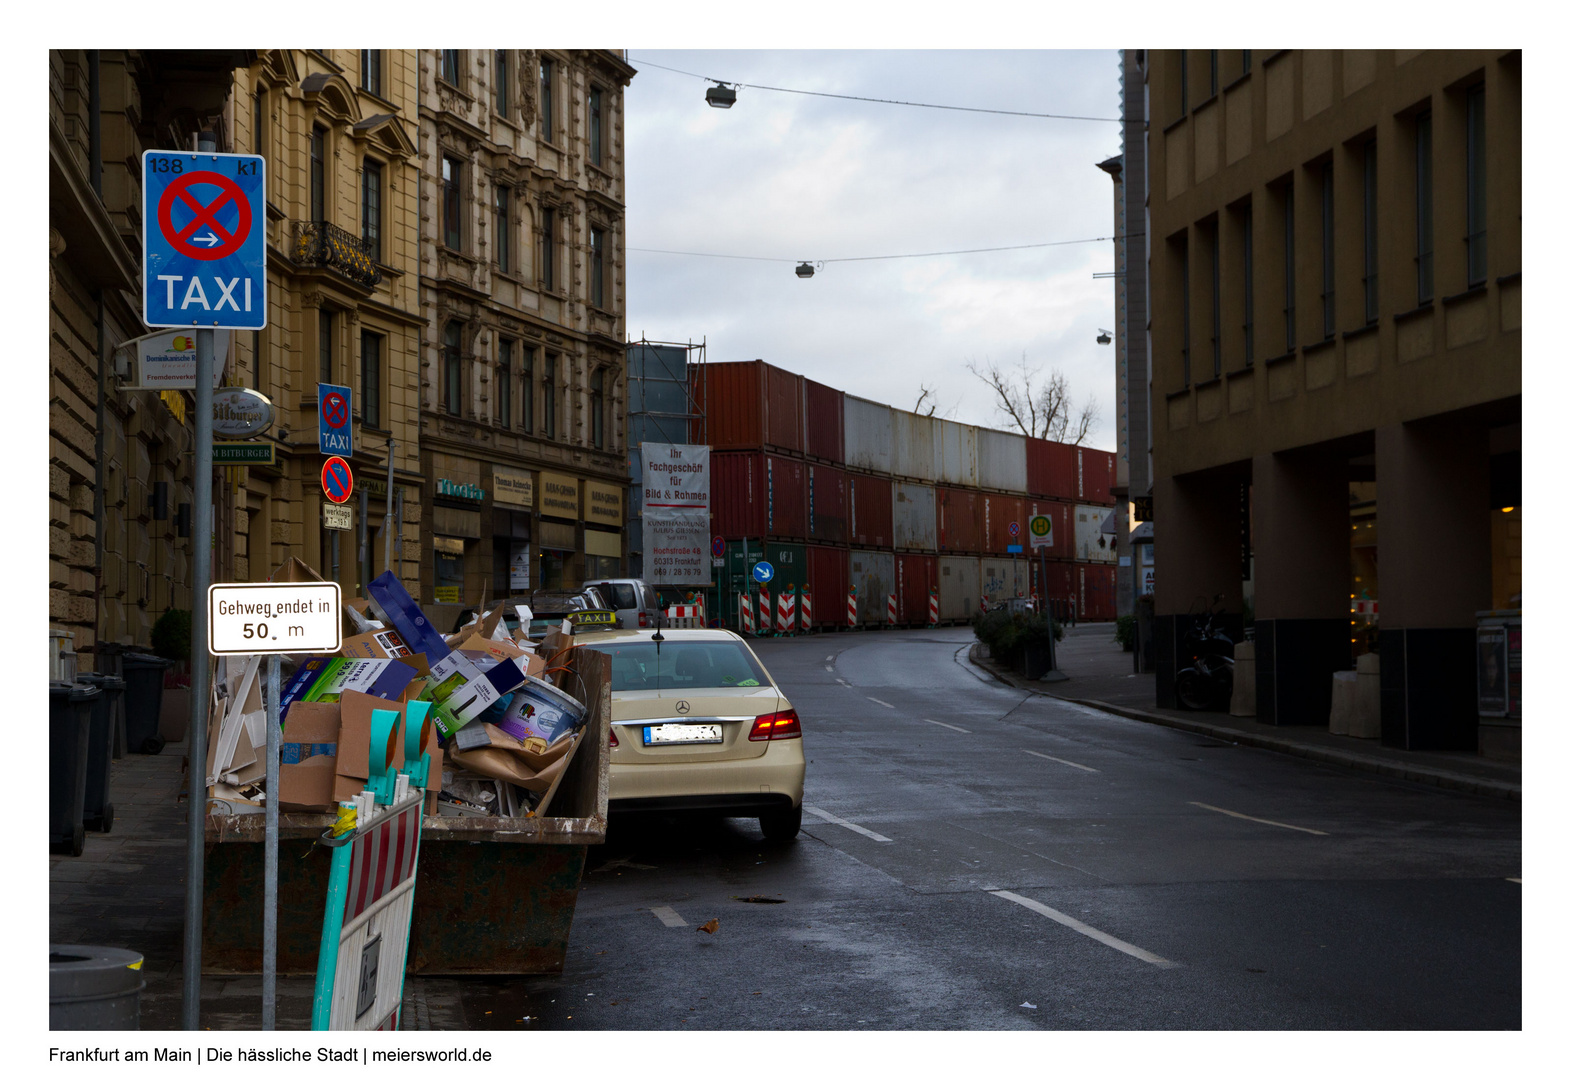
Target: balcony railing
[(318, 243)]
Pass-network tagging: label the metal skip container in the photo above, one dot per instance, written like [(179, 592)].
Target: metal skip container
[(873, 577)]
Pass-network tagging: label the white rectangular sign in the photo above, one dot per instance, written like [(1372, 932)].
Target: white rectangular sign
[(166, 360), (676, 548), (676, 476), (337, 517), (297, 617)]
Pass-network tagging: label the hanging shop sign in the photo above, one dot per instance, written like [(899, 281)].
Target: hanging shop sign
[(238, 413)]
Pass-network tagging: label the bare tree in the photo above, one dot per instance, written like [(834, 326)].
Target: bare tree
[(929, 394), (1036, 404)]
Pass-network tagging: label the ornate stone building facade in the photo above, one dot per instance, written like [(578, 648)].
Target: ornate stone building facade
[(523, 374)]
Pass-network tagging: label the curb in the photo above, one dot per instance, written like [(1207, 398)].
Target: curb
[(1500, 789)]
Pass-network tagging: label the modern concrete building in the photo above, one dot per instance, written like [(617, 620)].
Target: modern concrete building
[(523, 369), (1335, 245)]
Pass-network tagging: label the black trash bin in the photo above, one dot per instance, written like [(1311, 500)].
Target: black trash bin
[(70, 717), (94, 988), (106, 661), (98, 812), (144, 700)]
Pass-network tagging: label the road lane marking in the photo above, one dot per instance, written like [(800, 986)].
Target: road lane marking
[(668, 916), (1061, 761), (1089, 931), (827, 816), (843, 683), (940, 723), (1261, 820), (885, 704)]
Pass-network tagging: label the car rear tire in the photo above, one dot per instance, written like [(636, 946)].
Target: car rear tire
[(781, 826)]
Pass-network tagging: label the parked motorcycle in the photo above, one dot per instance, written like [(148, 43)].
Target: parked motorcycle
[(1207, 683)]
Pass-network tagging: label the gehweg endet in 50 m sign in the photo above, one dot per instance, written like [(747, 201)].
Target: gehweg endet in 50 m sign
[(293, 617)]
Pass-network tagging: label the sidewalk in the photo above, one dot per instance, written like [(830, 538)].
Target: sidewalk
[(127, 890), (1100, 676)]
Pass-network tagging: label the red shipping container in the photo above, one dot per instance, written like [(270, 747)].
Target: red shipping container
[(872, 512), (1095, 476), (1060, 578), (757, 494), (829, 578), (916, 576), (1051, 469), (823, 421), (998, 512), (1062, 515), (747, 406), (959, 520), (1094, 592), (827, 507)]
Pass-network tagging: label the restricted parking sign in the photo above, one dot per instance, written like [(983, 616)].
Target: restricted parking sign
[(204, 248), (338, 483), (334, 408)]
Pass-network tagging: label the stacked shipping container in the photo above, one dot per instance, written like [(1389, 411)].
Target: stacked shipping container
[(850, 493)]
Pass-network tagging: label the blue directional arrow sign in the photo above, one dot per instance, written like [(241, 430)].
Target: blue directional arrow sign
[(204, 243), (763, 573)]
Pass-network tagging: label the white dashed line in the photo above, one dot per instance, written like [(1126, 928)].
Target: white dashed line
[(885, 704), (668, 916), (1089, 931), (940, 723), (1515, 879), (1261, 820), (1061, 761), (843, 683), (843, 823)]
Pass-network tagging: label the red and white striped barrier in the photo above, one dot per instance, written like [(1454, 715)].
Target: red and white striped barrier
[(684, 617), (890, 610), (787, 620), (932, 607), (851, 608), (766, 611), (1369, 608), (744, 611), (807, 610), (984, 604)]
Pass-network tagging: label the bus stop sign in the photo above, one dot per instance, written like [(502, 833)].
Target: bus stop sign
[(204, 244)]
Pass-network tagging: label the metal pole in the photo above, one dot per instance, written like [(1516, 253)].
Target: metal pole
[(270, 857), (398, 539), (387, 518), (202, 577), (365, 543)]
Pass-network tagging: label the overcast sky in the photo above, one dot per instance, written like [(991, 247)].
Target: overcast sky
[(792, 177)]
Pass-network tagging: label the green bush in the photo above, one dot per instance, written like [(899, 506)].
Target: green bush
[(1007, 634), (1124, 634), (172, 634)]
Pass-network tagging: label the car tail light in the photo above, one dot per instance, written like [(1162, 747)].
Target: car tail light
[(613, 737), (777, 725), (643, 620)]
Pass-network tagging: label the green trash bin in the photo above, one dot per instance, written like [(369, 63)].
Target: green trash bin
[(144, 700), (70, 717), (98, 813)]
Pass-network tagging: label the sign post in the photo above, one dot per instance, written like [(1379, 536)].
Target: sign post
[(204, 266), (1041, 529)]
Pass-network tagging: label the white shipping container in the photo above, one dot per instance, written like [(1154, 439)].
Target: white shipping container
[(869, 435), (1001, 461), (954, 453), (1003, 577), (1091, 543), (916, 517), (873, 578), (913, 445), (959, 588)]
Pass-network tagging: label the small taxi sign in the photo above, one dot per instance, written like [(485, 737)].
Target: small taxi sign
[(284, 617)]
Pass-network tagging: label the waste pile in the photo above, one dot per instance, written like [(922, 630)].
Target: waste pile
[(507, 713)]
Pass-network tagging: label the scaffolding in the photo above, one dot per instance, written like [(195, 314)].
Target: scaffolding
[(661, 407)]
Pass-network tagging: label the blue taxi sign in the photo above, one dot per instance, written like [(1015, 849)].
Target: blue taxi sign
[(204, 243)]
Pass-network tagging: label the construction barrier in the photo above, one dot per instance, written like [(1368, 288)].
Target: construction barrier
[(851, 608), (787, 621), (684, 617), (807, 611), (932, 607), (744, 613), (766, 612), (890, 608)]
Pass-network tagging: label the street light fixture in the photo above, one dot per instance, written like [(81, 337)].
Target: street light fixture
[(1104, 337), (804, 271), (720, 96)]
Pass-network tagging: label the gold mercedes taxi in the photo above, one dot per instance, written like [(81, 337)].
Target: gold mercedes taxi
[(698, 724)]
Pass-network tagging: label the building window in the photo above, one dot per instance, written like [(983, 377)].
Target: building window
[(452, 203), (318, 174), (503, 230), (1216, 300), (371, 379), (548, 397), (1327, 252), (1475, 187), (1290, 276), (324, 345), (259, 123), (1423, 168), (1371, 248), (597, 409), (1183, 95), (527, 390), (1213, 72), (500, 84), (547, 99), (1249, 285), (597, 267), (452, 66), (548, 249), (452, 370), (1186, 316), (504, 383), (371, 71), (371, 208), (595, 119)]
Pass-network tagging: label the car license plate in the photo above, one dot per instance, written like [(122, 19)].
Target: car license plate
[(657, 734)]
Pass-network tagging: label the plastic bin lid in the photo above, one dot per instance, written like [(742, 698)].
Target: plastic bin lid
[(145, 658), (74, 692), (103, 682), (90, 971)]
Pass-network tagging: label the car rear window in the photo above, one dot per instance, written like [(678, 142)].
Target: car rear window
[(682, 665), (619, 596)]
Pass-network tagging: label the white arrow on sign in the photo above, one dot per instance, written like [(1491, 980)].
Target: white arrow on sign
[(209, 240)]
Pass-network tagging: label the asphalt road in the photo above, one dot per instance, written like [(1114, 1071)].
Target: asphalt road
[(974, 857)]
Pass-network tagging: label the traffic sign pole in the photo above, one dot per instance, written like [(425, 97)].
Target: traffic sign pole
[(202, 575), (270, 856)]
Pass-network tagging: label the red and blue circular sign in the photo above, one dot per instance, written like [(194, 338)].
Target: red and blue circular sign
[(718, 546), (338, 483), (219, 222), (335, 409)]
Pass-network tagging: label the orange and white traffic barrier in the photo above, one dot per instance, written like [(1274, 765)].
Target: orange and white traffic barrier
[(807, 610), (787, 621), (1367, 608), (745, 613), (932, 607), (851, 608), (890, 609), (683, 617)]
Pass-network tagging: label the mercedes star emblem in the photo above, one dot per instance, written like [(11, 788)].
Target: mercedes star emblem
[(683, 707)]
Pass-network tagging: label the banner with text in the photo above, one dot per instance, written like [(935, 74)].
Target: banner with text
[(676, 514), (676, 476)]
